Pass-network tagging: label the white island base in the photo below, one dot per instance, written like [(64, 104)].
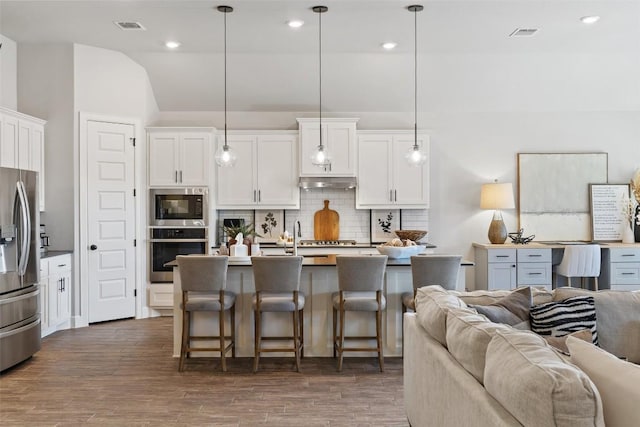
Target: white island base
[(318, 280)]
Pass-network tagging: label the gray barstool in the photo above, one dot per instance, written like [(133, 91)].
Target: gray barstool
[(427, 270), (360, 280), (277, 283), (204, 280)]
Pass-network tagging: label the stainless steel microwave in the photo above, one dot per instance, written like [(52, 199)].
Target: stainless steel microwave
[(186, 207)]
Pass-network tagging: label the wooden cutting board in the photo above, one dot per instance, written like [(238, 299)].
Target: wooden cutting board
[(326, 224)]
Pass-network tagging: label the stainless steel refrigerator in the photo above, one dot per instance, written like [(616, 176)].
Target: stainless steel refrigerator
[(19, 266)]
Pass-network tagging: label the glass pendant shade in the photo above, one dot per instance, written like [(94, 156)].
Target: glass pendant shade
[(320, 157), (415, 156), (225, 156)]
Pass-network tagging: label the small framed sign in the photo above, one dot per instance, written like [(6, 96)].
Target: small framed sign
[(609, 203), (384, 223), (269, 224)]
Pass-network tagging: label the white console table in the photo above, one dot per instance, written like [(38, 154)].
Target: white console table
[(509, 265)]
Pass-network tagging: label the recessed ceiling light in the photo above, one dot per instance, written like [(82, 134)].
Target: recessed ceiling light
[(295, 23), (172, 45), (389, 45), (591, 19)]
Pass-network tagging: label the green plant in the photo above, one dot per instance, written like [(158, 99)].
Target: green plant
[(247, 230)]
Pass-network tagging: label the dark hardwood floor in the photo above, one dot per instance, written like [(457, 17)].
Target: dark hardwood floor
[(122, 374)]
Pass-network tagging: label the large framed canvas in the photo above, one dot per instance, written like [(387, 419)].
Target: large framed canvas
[(384, 223), (610, 211), (269, 225), (553, 190)]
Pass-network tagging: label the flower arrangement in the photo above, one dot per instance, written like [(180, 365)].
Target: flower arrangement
[(635, 185), (628, 210)]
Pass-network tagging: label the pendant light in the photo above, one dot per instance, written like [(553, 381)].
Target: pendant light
[(320, 156), (225, 156), (415, 156)]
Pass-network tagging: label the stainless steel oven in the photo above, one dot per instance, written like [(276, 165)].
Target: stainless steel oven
[(167, 243), (180, 207)]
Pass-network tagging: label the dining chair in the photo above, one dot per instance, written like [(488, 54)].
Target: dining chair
[(579, 261)]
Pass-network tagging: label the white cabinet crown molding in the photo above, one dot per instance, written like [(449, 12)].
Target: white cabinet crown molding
[(22, 116)]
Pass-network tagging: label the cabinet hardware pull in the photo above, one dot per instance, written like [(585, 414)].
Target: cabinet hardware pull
[(535, 255), (180, 176), (395, 195), (61, 265), (176, 176), (502, 256), (534, 274), (628, 254), (628, 274), (259, 196)]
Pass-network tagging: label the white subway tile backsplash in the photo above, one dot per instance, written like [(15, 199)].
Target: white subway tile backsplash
[(354, 224)]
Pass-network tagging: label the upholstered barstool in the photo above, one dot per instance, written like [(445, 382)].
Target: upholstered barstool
[(360, 280), (427, 270), (204, 281), (277, 283), (579, 261)]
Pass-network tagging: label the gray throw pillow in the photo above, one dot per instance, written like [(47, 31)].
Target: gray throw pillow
[(512, 309)]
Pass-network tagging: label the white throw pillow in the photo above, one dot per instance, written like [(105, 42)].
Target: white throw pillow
[(617, 381)]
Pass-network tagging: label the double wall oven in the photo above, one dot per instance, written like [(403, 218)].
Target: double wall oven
[(178, 218)]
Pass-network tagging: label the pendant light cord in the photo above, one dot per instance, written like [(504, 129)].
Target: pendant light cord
[(225, 82), (320, 70), (415, 77)]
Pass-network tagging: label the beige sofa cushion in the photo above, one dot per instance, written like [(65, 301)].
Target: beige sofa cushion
[(618, 382), (468, 336), (617, 319), (432, 304), (484, 297), (533, 383)]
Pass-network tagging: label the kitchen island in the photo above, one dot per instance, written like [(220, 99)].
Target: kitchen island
[(317, 281)]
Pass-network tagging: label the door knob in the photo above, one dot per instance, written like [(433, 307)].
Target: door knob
[(93, 247)]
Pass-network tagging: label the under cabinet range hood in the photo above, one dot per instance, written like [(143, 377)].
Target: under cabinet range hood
[(317, 182)]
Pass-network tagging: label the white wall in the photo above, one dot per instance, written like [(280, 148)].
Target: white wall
[(8, 73)]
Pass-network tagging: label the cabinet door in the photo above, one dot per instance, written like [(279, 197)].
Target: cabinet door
[(163, 159), (374, 171), (194, 159), (501, 276), (236, 185), (340, 140), (309, 141), (277, 177), (9, 146), (410, 183), (64, 298), (37, 161), (54, 283), (24, 145)]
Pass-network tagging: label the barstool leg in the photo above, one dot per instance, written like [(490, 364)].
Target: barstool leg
[(296, 343), (232, 310), (335, 328), (341, 346), (257, 334), (185, 339), (379, 338), (301, 315), (223, 361)]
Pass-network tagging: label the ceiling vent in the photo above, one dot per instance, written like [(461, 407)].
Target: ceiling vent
[(523, 32), (128, 26)]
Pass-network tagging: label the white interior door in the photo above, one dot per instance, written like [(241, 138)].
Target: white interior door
[(111, 220)]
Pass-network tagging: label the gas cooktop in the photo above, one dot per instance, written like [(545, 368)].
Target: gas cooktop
[(327, 243)]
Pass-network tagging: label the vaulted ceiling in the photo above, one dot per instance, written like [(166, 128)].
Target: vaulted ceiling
[(272, 67)]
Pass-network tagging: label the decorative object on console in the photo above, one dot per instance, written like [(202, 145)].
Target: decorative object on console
[(414, 235), (270, 224), (320, 156), (516, 237), (225, 156), (635, 188), (415, 156), (611, 212), (497, 196), (383, 222)]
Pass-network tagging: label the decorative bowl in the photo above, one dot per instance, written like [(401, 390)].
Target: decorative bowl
[(400, 251), (414, 235)]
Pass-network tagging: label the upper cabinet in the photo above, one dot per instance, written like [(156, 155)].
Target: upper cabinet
[(338, 138), (385, 179), (22, 144), (265, 175), (179, 157)]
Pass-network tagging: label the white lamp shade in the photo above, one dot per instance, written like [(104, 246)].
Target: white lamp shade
[(497, 196)]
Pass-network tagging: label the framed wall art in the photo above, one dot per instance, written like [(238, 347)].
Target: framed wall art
[(608, 213), (269, 225), (384, 223)]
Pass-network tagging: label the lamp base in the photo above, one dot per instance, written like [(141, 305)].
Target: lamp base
[(497, 232)]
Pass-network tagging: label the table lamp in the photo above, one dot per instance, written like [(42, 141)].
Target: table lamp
[(497, 196)]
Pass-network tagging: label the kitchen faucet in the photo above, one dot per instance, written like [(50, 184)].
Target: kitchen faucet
[(295, 237)]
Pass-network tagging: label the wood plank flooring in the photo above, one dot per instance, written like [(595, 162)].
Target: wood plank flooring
[(122, 374)]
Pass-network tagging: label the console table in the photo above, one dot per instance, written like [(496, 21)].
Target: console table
[(509, 265)]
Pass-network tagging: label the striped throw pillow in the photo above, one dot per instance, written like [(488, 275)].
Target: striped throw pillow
[(561, 318)]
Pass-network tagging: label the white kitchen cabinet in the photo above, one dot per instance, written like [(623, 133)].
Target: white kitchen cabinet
[(620, 268), (385, 180), (508, 266), (339, 139), (161, 296), (534, 267), (56, 304), (22, 145), (179, 157), (265, 174)]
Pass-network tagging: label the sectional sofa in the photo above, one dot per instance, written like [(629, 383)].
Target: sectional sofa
[(462, 369)]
